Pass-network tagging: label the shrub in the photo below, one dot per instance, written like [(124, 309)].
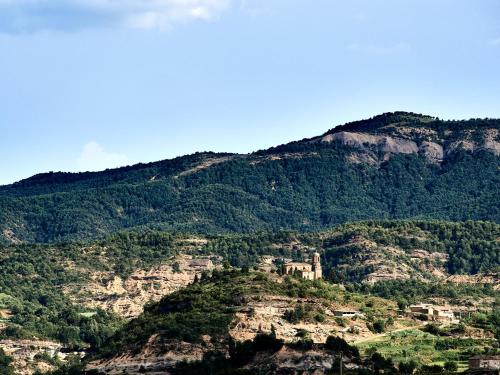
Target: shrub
[(450, 366), (339, 345), (407, 368), (379, 326)]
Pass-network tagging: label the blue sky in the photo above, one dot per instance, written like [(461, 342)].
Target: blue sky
[(90, 84)]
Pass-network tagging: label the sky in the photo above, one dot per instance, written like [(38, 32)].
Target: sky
[(95, 84)]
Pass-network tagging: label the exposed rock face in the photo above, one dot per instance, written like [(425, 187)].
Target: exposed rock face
[(127, 297), (11, 237), (402, 141), (491, 142), (24, 352), (432, 151), (489, 278), (157, 356), (267, 312), (205, 164), (287, 361), (380, 142), (292, 361)]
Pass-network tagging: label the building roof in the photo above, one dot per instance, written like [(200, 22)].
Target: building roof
[(200, 262), (486, 357), (301, 264)]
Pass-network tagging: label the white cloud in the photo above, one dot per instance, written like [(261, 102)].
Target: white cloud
[(17, 16), (95, 158)]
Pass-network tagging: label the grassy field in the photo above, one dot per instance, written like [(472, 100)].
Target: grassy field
[(425, 348)]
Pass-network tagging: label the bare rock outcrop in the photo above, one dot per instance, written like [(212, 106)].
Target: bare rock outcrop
[(382, 143), (432, 151), (157, 356), (127, 297), (403, 141), (24, 354)]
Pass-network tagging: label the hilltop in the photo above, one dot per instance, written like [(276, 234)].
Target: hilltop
[(77, 295), (241, 322), (393, 166)]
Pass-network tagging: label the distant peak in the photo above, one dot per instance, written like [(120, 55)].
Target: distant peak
[(384, 119)]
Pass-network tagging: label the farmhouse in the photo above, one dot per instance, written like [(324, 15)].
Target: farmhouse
[(201, 264), (347, 314), (437, 313), (309, 271), (484, 362)]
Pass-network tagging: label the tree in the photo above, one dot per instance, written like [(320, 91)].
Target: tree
[(450, 366), (5, 364), (402, 303), (407, 368)]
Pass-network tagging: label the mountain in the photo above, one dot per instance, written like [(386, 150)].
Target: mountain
[(219, 314), (78, 293), (393, 166), (260, 323)]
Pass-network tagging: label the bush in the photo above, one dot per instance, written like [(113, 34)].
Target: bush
[(431, 369), (450, 366), (379, 326), (433, 329), (339, 345), (5, 364), (407, 368)]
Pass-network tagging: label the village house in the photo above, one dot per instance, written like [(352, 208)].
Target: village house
[(347, 314), (436, 313), (480, 363), (201, 264), (308, 271)]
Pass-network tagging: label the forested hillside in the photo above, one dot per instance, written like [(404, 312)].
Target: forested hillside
[(393, 166), (36, 280)]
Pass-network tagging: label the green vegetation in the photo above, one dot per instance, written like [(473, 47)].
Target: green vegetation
[(406, 292), (489, 321), (5, 364), (472, 247), (317, 188), (208, 306), (426, 348), (33, 277)]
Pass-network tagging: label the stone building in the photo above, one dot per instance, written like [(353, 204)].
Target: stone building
[(436, 313), (309, 271), (484, 362)]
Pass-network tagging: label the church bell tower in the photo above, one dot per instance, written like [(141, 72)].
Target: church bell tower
[(316, 266)]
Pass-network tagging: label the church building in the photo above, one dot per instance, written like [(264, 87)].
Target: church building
[(308, 271)]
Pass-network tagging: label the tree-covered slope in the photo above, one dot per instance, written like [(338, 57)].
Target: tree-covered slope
[(39, 283), (396, 165)]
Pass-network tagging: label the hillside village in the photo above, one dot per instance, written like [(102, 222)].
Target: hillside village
[(352, 321)]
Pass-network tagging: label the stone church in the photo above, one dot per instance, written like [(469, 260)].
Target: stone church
[(309, 271)]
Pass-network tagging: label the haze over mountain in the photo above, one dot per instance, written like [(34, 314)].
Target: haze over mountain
[(396, 165)]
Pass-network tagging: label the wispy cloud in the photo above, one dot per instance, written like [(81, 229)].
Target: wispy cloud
[(381, 50), (22, 16), (94, 158)]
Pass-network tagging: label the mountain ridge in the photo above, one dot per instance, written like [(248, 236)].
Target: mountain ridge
[(366, 125), (392, 166)]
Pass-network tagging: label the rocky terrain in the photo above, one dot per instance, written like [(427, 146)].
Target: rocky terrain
[(31, 355), (126, 297), (262, 311), (422, 140)]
